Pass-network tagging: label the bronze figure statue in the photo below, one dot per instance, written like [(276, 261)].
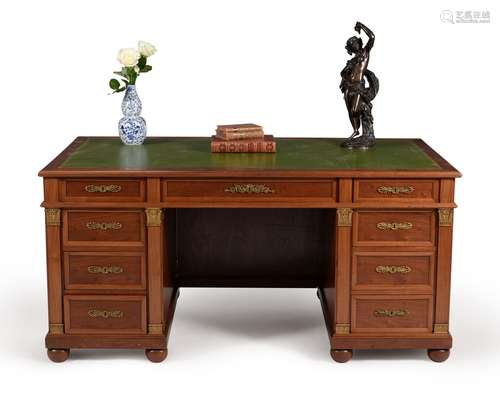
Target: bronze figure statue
[(357, 96)]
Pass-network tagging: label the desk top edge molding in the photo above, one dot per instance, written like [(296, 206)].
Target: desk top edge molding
[(53, 169)]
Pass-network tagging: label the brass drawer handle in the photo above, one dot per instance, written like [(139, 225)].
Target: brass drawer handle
[(249, 188), (393, 269), (391, 313), (394, 225), (105, 313), (103, 188), (385, 190), (104, 225), (105, 269)]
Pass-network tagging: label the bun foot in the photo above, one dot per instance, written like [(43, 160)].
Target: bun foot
[(58, 355), (438, 355), (156, 355), (341, 356)]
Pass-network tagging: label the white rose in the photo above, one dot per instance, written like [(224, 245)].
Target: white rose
[(146, 49), (128, 57)]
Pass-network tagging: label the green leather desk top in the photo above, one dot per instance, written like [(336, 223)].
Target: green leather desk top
[(193, 154)]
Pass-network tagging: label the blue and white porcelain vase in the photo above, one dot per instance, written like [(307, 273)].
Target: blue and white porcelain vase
[(132, 126)]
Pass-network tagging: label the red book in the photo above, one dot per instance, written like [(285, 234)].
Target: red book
[(264, 145)]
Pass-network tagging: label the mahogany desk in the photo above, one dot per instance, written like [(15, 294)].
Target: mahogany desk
[(128, 226)]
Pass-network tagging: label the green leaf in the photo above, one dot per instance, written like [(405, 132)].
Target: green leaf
[(114, 84), (120, 73), (142, 62), (119, 90), (146, 68)]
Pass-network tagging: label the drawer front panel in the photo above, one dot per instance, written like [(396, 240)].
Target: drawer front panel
[(382, 313), (101, 227), (105, 314), (104, 270), (382, 270), (413, 228), (249, 189), (98, 190), (425, 191)]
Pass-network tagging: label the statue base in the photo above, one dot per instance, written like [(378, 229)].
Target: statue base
[(362, 142)]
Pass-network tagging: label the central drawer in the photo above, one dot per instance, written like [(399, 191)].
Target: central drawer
[(103, 228), (249, 189), (104, 314)]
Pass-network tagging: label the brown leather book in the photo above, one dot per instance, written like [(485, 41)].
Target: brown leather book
[(240, 134), (263, 145)]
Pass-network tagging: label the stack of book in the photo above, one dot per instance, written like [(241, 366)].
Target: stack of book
[(246, 137)]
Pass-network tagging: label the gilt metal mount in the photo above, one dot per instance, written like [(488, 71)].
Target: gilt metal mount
[(445, 217), (53, 216), (249, 189), (153, 216), (342, 329), (344, 217)]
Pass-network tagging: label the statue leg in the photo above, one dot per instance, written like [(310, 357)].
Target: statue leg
[(352, 104), (355, 122), (367, 139)]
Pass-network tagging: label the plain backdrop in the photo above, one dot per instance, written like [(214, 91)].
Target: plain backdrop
[(275, 63)]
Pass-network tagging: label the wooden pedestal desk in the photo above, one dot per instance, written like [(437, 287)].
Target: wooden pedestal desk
[(127, 226)]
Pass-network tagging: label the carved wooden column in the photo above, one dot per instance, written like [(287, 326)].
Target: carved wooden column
[(444, 248), (54, 270), (54, 257), (343, 246), (154, 218), (343, 261), (342, 272)]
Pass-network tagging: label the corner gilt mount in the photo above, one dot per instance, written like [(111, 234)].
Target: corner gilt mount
[(342, 329), (53, 216), (445, 217), (344, 217), (153, 216)]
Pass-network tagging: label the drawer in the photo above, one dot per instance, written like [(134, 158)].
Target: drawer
[(393, 270), (104, 314), (103, 228), (394, 228), (396, 190), (104, 270), (249, 189), (102, 190), (383, 313)]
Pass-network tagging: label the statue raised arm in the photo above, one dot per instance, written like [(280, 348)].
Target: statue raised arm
[(371, 37)]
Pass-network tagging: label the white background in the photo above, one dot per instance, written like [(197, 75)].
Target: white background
[(275, 63)]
